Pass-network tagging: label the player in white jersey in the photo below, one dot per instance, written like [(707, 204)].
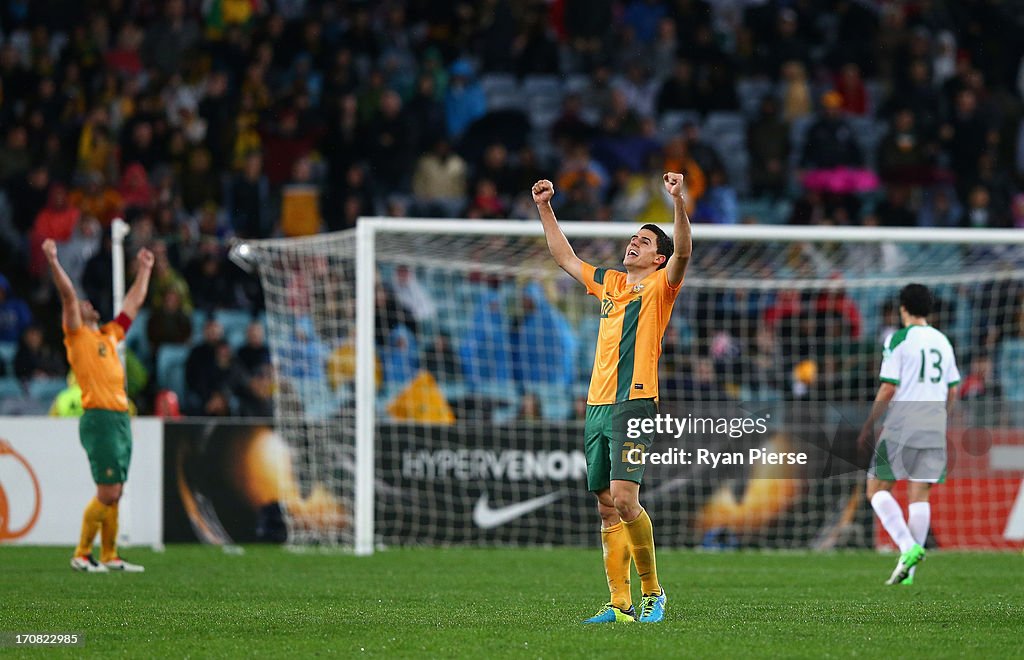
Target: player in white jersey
[(919, 383)]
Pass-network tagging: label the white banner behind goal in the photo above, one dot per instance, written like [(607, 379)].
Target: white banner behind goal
[(432, 378)]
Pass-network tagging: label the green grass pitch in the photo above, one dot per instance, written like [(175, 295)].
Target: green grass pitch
[(483, 603)]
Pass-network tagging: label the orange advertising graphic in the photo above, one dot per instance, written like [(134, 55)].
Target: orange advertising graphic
[(6, 533)]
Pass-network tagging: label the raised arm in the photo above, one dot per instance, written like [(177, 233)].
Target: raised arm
[(71, 315), (681, 237), (136, 296), (558, 245)]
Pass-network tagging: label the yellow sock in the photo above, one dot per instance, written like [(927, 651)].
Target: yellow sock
[(641, 545), (108, 535), (93, 517), (616, 564)]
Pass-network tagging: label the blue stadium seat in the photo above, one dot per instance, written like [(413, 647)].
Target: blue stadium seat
[(505, 101), (542, 145), (730, 144), (722, 123), (170, 368), (797, 135), (498, 82), (23, 405), (671, 123), (869, 134), (8, 349), (798, 130), (751, 92), (587, 330), (555, 400), (1011, 369), (501, 90), (198, 320), (10, 387), (542, 86), (543, 111), (577, 83), (737, 169), (762, 209), (46, 389), (591, 116), (876, 95), (137, 339), (235, 322)]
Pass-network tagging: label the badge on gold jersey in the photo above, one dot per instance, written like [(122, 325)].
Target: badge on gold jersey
[(638, 288)]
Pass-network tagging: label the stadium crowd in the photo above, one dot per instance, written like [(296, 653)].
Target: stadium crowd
[(198, 121)]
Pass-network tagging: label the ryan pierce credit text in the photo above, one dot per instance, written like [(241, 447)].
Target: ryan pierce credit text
[(637, 456)]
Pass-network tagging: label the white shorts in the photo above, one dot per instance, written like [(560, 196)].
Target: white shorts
[(893, 462)]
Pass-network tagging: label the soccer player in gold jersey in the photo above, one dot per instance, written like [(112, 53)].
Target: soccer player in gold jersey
[(635, 310), (104, 428)]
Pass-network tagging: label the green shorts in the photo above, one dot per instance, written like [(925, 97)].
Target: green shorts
[(107, 438), (607, 445)]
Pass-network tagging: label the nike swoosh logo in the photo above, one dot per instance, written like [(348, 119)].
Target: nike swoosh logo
[(486, 517)]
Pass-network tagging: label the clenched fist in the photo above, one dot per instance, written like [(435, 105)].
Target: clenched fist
[(543, 191), (50, 249), (674, 184), (145, 258)]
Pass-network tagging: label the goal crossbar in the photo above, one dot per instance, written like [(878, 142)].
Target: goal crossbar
[(702, 232)]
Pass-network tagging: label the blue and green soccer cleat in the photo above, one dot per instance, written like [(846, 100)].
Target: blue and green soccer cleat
[(611, 614), (652, 608), (908, 560)]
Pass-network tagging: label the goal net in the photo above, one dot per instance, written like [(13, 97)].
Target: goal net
[(432, 380)]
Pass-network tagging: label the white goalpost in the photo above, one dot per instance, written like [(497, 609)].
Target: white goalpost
[(431, 377)]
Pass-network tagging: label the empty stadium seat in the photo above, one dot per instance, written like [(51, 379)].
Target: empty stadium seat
[(46, 389), (869, 133), (672, 122), (502, 91), (555, 400), (577, 83), (512, 100), (235, 323), (797, 136), (1011, 369), (8, 349), (10, 387), (544, 148), (498, 82), (761, 209), (737, 164), (543, 111), (137, 339), (23, 405), (198, 321), (751, 92), (542, 86), (725, 123), (170, 368), (876, 95)]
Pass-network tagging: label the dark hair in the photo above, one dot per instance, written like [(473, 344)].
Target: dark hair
[(916, 299), (664, 242)]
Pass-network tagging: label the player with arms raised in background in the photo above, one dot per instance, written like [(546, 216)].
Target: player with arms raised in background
[(919, 384), (635, 310), (104, 428)]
